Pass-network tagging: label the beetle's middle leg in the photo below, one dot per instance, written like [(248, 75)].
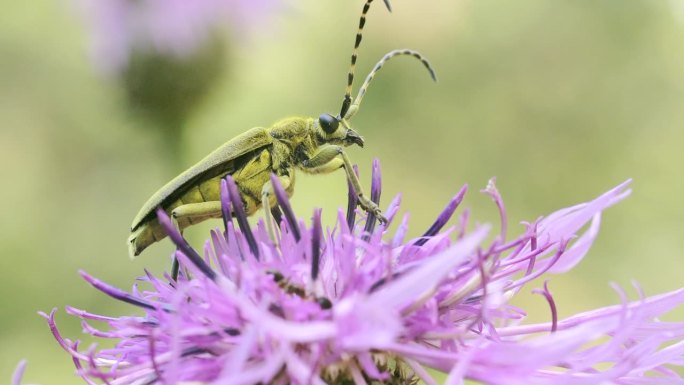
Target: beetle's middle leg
[(266, 197), (330, 158)]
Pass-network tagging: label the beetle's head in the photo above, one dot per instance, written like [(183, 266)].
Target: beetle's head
[(337, 131)]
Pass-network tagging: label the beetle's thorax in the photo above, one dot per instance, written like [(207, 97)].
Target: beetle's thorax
[(294, 140)]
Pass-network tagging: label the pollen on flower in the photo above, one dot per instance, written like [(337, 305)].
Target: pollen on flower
[(357, 304)]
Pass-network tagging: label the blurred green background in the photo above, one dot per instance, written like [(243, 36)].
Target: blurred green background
[(560, 100)]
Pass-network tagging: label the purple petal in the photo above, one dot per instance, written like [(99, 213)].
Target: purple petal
[(444, 216), (183, 245), (115, 292), (316, 244), (86, 315), (64, 343), (651, 307), (422, 279), (565, 222), (393, 209), (284, 202), (362, 325), (498, 200), (239, 209), (579, 248), (19, 372), (552, 304)]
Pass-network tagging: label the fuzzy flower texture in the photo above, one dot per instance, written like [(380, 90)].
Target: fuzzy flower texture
[(355, 304), (176, 28)]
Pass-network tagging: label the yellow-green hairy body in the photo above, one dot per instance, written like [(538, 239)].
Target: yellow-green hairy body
[(249, 158)]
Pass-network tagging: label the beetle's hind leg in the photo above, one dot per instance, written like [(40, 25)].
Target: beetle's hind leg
[(183, 215), (190, 213)]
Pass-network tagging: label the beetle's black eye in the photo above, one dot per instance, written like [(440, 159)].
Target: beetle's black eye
[(328, 123)]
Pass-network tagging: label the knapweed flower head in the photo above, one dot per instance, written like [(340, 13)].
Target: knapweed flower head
[(358, 304)]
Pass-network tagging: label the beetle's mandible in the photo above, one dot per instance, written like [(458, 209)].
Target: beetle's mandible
[(312, 145)]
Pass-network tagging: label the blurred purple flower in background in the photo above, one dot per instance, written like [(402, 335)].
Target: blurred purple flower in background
[(177, 28), (168, 54), (356, 304)]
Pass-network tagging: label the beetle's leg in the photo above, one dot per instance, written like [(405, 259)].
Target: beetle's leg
[(266, 197), (175, 268), (331, 157), (189, 211)]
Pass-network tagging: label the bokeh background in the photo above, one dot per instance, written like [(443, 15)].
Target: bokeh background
[(560, 100)]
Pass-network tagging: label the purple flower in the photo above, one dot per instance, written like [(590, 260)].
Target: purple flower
[(168, 54), (175, 28), (356, 304)]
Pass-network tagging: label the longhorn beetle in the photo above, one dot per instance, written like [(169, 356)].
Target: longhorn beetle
[(312, 145)]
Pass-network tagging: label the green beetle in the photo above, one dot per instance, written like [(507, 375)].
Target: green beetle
[(312, 145)]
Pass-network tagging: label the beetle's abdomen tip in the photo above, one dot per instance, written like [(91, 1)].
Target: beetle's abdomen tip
[(133, 250)]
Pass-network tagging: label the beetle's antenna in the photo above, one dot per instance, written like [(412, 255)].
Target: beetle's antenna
[(364, 87), (350, 76)]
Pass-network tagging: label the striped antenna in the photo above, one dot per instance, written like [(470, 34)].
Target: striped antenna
[(346, 103), (364, 87)]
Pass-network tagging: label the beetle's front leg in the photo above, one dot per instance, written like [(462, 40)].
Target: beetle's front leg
[(266, 197), (330, 158)]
